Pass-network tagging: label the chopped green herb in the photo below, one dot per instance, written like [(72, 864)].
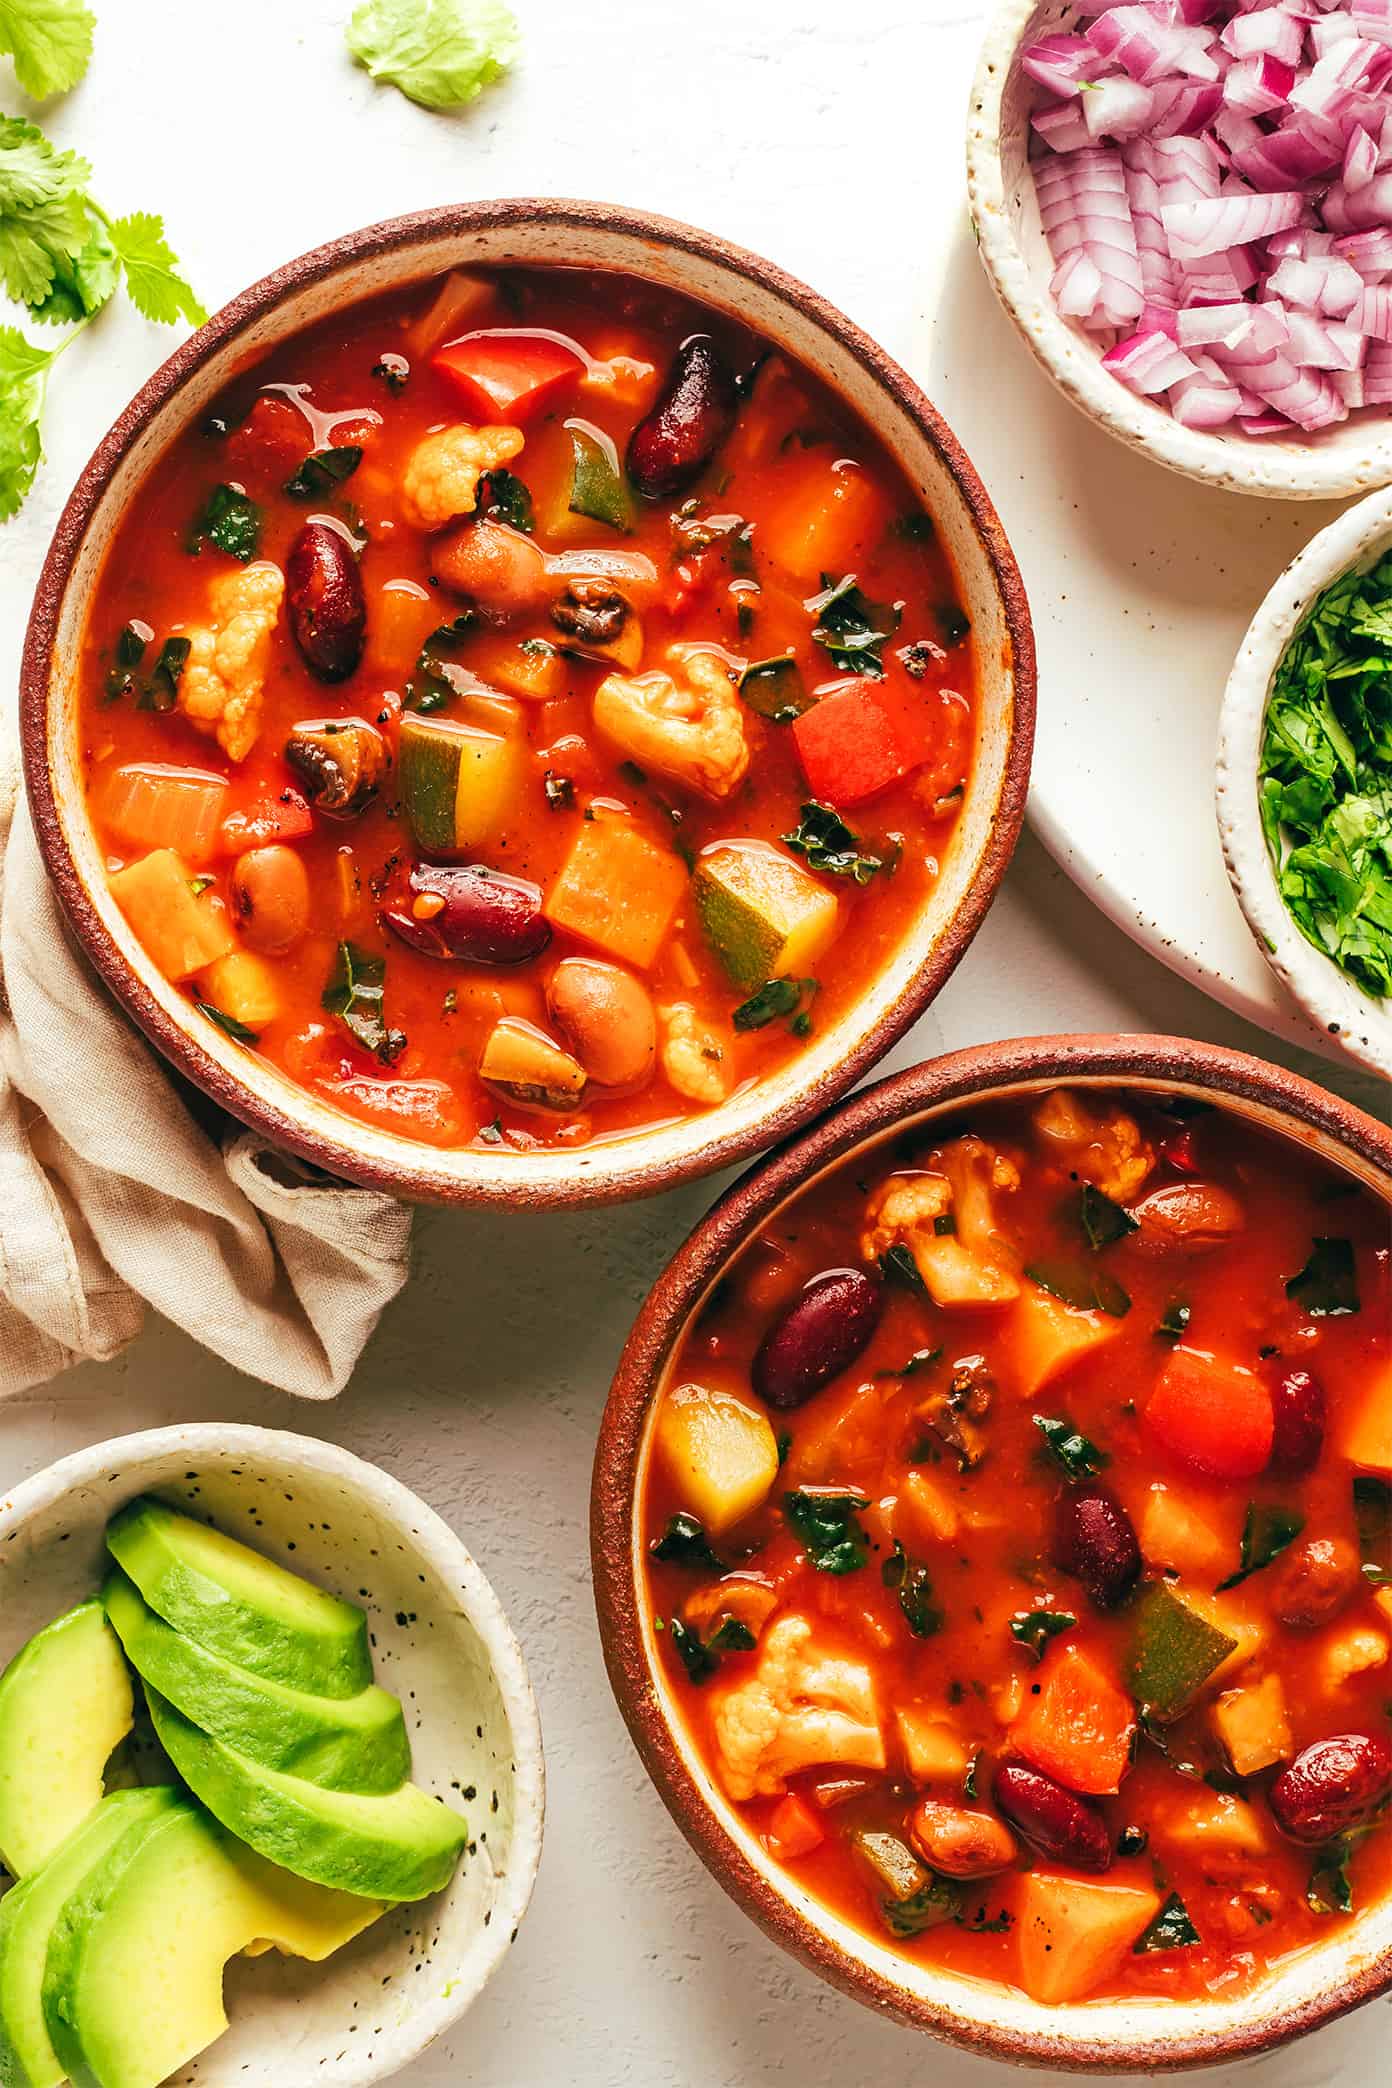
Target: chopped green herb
[(1174, 1320), (322, 471), (824, 1519), (232, 521), (161, 691), (829, 844), (684, 1543), (439, 53), (1327, 1286), (394, 371), (199, 885), (921, 1359), (1330, 1890), (503, 494), (784, 1445), (1076, 1453), (1035, 1628), (1085, 1289), (1171, 1929), (229, 1023), (1103, 1222), (971, 1779), (852, 627), (938, 1901), (1265, 1535), (775, 689), (913, 1584), (897, 1265), (774, 998), (701, 1657), (355, 994), (431, 687)]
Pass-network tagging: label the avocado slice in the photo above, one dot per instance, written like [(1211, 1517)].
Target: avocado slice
[(398, 1846), (132, 1984), (234, 1602), (65, 1703), (355, 1743), (27, 1916), (763, 915), (1174, 1650)]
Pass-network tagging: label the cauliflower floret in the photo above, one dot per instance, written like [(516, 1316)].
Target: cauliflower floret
[(688, 724), (691, 1056), (946, 1217), (442, 477), (224, 676), (1105, 1147), (798, 1710)]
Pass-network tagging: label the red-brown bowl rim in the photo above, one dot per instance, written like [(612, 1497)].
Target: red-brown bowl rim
[(336, 1154), (955, 1078)]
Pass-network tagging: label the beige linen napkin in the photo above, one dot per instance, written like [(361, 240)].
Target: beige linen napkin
[(112, 1196)]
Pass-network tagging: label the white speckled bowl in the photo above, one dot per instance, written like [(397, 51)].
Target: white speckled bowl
[(440, 1642), (1350, 458), (1362, 1026)]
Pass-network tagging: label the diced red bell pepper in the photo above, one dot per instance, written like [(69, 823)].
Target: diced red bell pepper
[(281, 815), (794, 1830), (849, 745), (1211, 1415), (505, 373)]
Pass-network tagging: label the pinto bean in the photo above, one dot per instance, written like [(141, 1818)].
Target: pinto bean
[(689, 422), (1332, 1787), (823, 1330), (1058, 1822), (1298, 1407), (1096, 1543), (502, 572), (607, 1019), (1314, 1581), (466, 912), (270, 898), (324, 593), (959, 1843), (1192, 1216)]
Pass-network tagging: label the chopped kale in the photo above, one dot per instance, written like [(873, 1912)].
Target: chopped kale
[(852, 627), (1103, 1221), (229, 1023), (829, 844), (355, 994), (322, 472), (913, 1584), (825, 1521), (1077, 1284), (1171, 1929), (1076, 1453), (503, 494), (1265, 1535), (231, 521), (1035, 1628), (684, 1543)]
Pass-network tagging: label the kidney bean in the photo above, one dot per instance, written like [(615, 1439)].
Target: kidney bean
[(270, 898), (464, 911), (959, 1843), (1298, 1408), (1058, 1822), (1095, 1541), (1313, 1581), (823, 1330), (1332, 1787), (324, 593), (687, 425)]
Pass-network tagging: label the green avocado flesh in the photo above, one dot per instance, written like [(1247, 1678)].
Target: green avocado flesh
[(132, 1984), (65, 1703), (233, 1602), (355, 1743), (401, 1846), (28, 1915)]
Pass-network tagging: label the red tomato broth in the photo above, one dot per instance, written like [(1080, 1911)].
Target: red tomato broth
[(320, 390), (862, 1431)]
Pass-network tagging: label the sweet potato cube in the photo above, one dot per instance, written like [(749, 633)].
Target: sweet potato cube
[(927, 1510), (243, 986), (183, 931), (617, 891), (1079, 1728), (1216, 1825), (1072, 1933), (934, 1750), (1174, 1534), (721, 1454), (1253, 1726), (823, 516), (1045, 1336), (1368, 1436)]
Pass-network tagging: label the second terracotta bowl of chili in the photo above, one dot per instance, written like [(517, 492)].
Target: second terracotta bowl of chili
[(992, 1531), (527, 704)]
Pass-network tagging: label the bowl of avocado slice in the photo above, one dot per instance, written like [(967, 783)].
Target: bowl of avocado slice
[(271, 1779)]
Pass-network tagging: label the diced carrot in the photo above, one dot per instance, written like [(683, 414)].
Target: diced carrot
[(282, 817), (1212, 1415), (505, 373), (848, 745), (151, 806), (794, 1830), (1079, 1728)]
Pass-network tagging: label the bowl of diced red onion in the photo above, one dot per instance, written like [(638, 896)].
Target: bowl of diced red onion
[(1186, 208)]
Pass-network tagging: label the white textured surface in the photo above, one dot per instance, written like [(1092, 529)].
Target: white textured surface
[(830, 139)]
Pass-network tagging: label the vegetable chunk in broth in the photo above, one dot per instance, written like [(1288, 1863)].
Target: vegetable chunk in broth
[(1018, 1524), (526, 710)]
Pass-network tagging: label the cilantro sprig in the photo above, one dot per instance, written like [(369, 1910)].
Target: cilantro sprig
[(440, 53), (50, 42), (61, 256)]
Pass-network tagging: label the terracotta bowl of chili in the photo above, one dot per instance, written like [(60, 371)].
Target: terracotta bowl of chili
[(992, 1538), (527, 704)]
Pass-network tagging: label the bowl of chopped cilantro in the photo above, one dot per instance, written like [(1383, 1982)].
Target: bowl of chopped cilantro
[(1305, 779)]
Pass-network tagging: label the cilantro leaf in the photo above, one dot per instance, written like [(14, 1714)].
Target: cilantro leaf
[(828, 843), (82, 282), (152, 271), (825, 1520), (1035, 1628), (1265, 1535), (438, 52), (911, 1581), (355, 994), (23, 380), (50, 42)]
